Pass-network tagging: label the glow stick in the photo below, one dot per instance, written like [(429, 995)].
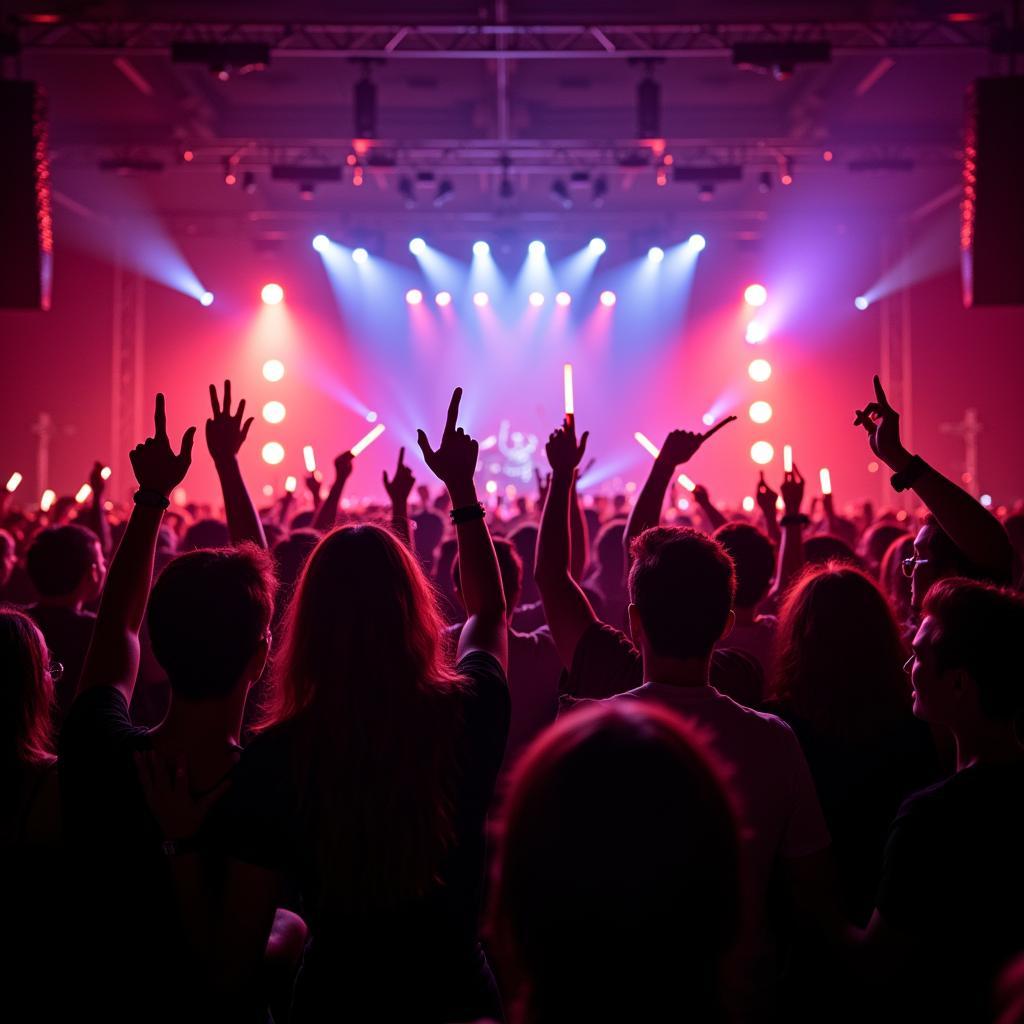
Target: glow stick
[(83, 493), (307, 454), (570, 409), (647, 444), (289, 484), (787, 458), (685, 481), (361, 445), (48, 498), (826, 481), (105, 473), (12, 484)]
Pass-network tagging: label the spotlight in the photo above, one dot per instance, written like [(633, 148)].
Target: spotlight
[(491, 487), (597, 246), (764, 182), (755, 295), (759, 370), (708, 419), (762, 452), (360, 255), (273, 370), (748, 504), (414, 296), (272, 294), (364, 106), (706, 192), (371, 417), (756, 332), (599, 191), (563, 298), (648, 107), (786, 172), (273, 453), (406, 191), (230, 178), (536, 299), (206, 299), (417, 247), (249, 183), (481, 249), (698, 243), (480, 299), (760, 412), (537, 248), (862, 302), (608, 298), (321, 243), (445, 194), (560, 194), (655, 254), (443, 299), (986, 500), (274, 412)]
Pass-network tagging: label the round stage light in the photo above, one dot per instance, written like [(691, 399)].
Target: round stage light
[(481, 248), (707, 419), (480, 299), (321, 243), (273, 412), (761, 412), (607, 298), (360, 255), (443, 299), (273, 370), (697, 243), (597, 246), (563, 298), (537, 248), (206, 299), (273, 453), (986, 500), (862, 302), (760, 370), (762, 452), (417, 247), (536, 299), (371, 417), (655, 254), (748, 504), (491, 486), (755, 295), (756, 332), (414, 296), (272, 294)]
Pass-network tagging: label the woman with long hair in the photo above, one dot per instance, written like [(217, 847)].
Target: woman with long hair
[(368, 786)]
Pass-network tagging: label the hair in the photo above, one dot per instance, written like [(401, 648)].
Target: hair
[(839, 662), (363, 679), (949, 560), (979, 631), (59, 559), (877, 541), (826, 547), (303, 520), (290, 554), (511, 567), (524, 539), (426, 536), (205, 533), (608, 550), (208, 612), (26, 697), (617, 872), (683, 584), (894, 581), (753, 555)]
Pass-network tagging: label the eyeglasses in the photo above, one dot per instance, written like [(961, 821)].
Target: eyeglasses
[(910, 564), (56, 671)]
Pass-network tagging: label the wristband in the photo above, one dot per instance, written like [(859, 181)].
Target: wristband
[(796, 519), (178, 847), (468, 513), (151, 499), (909, 475)]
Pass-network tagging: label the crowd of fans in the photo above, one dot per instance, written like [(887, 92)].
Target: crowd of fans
[(429, 762)]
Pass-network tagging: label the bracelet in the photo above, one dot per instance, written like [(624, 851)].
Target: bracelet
[(909, 475), (178, 847), (151, 499), (467, 514), (795, 519)]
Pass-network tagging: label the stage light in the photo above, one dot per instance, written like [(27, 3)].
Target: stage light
[(762, 452), (756, 332), (685, 481), (755, 295), (597, 246), (273, 453), (480, 299), (309, 458), (273, 370), (360, 255), (268, 490), (986, 500), (290, 483), (862, 302), (537, 248), (272, 294), (46, 501), (563, 298), (414, 296), (873, 466), (417, 247), (780, 504), (491, 486), (481, 248), (536, 299), (206, 299), (760, 370), (608, 298), (12, 483), (655, 254), (371, 416), (760, 412), (748, 504), (274, 412), (708, 419), (444, 195), (697, 243), (825, 478), (787, 458), (321, 243), (647, 444), (443, 299), (764, 182), (105, 473)]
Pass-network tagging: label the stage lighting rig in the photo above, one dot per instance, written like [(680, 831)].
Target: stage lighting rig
[(364, 104), (780, 58), (444, 195), (648, 105), (223, 59), (560, 194)]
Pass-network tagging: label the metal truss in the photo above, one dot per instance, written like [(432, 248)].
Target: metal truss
[(126, 364)]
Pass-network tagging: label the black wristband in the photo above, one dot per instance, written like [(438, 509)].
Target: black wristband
[(909, 475), (151, 499), (467, 514), (796, 519)]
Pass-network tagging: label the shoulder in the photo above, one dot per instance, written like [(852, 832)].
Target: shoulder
[(484, 675), (101, 713)]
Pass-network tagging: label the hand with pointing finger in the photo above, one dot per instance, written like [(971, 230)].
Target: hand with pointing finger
[(454, 460), (154, 463), (882, 423), (400, 486)]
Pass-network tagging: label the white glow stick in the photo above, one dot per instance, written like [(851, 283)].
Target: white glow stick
[(12, 484), (290, 483), (826, 481), (685, 481), (647, 444), (48, 498), (307, 454), (787, 458), (361, 445), (83, 493), (570, 408), (105, 473)]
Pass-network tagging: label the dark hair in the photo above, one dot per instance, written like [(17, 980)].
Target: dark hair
[(877, 541), (303, 520), (524, 539), (980, 630), (949, 560), (608, 550), (59, 558), (26, 696), (511, 567), (208, 612), (753, 555), (290, 555), (205, 533), (895, 583), (617, 875), (427, 535), (840, 657), (683, 584), (827, 547)]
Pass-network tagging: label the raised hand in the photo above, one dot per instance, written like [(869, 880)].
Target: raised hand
[(766, 498), (343, 466), (225, 431), (564, 454), (543, 483), (882, 423), (793, 492), (96, 481), (155, 465), (681, 445), (454, 461), (400, 486), (700, 495)]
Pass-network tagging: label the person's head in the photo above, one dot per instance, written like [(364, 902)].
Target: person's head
[(426, 535), (937, 557), (302, 521), (209, 617), (290, 554), (65, 563), (26, 695), (608, 550), (753, 555), (894, 580), (968, 665), (8, 556), (826, 547), (205, 533), (617, 871), (682, 586), (839, 656), (274, 534), (876, 542), (524, 538), (511, 567)]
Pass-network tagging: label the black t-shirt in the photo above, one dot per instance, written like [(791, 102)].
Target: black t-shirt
[(68, 634), (421, 961), (953, 880)]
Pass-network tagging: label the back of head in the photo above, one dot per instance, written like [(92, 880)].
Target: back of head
[(208, 615), (617, 872), (826, 547), (26, 693), (524, 538), (59, 559), (206, 533), (509, 564), (303, 521), (877, 540), (608, 549), (683, 585), (895, 582), (981, 631), (753, 555), (839, 660), (427, 535), (290, 554)]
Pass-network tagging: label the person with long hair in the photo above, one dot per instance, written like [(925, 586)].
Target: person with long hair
[(368, 787)]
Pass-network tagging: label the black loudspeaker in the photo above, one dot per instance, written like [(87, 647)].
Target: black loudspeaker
[(992, 221)]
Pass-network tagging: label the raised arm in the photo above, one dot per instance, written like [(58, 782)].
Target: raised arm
[(974, 530), (766, 502), (566, 607), (327, 513), (579, 549), (225, 434), (113, 658), (93, 515), (399, 487), (712, 515), (791, 545), (454, 463)]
